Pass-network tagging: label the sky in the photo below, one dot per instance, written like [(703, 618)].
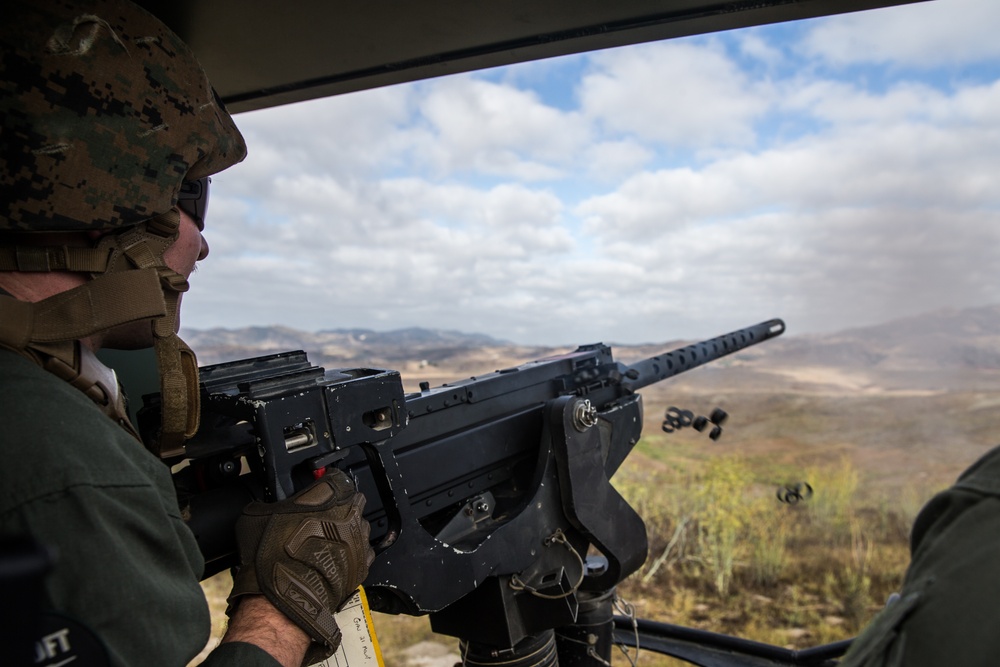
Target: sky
[(836, 172)]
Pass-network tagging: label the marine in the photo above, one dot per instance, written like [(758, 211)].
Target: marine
[(110, 134)]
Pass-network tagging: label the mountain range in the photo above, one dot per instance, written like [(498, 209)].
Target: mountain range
[(945, 349)]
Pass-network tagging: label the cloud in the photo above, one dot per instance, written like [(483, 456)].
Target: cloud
[(925, 35), (609, 161), (347, 135), (403, 247), (911, 147), (497, 129), (678, 93), (887, 211), (755, 47)]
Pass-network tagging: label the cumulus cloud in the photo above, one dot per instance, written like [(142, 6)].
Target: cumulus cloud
[(753, 46), (902, 149), (498, 129), (679, 93), (925, 35), (348, 135), (399, 246), (609, 161)]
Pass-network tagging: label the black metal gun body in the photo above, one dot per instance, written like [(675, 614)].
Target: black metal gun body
[(484, 495)]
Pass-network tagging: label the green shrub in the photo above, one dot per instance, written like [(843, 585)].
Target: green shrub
[(723, 515), (832, 503)]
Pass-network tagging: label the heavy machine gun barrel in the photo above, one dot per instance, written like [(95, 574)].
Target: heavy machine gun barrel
[(669, 364)]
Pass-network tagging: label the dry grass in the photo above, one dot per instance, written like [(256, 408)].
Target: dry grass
[(754, 567), (727, 556)]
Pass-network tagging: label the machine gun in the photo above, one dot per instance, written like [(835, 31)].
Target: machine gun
[(485, 496)]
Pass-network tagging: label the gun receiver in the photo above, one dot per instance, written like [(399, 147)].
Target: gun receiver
[(484, 495)]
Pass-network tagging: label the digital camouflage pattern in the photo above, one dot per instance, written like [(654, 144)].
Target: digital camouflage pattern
[(105, 111)]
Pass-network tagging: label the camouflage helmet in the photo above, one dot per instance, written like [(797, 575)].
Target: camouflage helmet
[(105, 112)]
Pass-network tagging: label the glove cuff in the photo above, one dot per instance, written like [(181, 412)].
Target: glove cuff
[(244, 583), (301, 605)]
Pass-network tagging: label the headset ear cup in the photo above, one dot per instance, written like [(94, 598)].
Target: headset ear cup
[(179, 393)]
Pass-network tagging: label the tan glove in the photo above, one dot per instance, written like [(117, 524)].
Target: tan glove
[(306, 554)]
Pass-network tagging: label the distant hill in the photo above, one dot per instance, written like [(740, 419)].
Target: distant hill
[(938, 350), (282, 338), (949, 339), (339, 347)]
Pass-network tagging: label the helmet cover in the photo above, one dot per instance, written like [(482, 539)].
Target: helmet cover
[(105, 111)]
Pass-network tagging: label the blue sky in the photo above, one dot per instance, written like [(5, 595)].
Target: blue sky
[(836, 172)]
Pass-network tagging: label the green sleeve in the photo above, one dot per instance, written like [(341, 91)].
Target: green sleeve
[(127, 567), (946, 614), (122, 571)]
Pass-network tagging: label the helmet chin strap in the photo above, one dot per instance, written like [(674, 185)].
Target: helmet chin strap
[(130, 283)]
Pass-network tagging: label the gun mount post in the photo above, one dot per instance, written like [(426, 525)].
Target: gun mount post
[(532, 651), (592, 505)]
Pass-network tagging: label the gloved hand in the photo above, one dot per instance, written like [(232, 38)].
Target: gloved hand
[(306, 554)]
